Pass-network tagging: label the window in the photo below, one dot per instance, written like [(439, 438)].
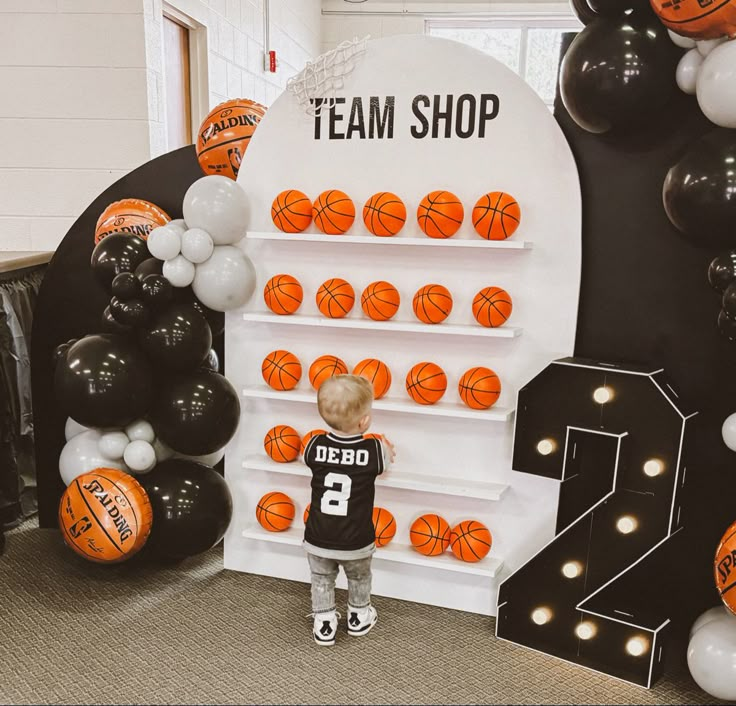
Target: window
[(527, 45)]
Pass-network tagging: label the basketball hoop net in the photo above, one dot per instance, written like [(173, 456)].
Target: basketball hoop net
[(325, 76)]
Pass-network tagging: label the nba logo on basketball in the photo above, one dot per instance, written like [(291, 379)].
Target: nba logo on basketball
[(80, 527)]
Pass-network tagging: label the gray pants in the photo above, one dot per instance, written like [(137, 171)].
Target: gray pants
[(324, 575)]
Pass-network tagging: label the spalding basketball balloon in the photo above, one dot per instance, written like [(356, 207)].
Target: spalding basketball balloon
[(105, 515), (470, 540), (699, 19), (325, 367), (131, 216), (282, 443), (432, 303), (385, 525), (377, 373), (291, 211), (281, 370), (492, 306), (440, 214), (335, 298), (479, 388), (430, 535), (380, 300), (283, 294), (333, 212), (496, 216), (384, 214), (224, 136), (426, 383), (275, 511), (725, 568)]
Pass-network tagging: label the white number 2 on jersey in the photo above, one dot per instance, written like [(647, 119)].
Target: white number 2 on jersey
[(335, 502)]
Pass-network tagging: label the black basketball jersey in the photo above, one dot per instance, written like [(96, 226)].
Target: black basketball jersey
[(344, 470)]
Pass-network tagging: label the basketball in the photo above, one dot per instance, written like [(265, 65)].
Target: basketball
[(282, 443), (335, 298), (380, 301), (470, 540), (384, 214), (432, 303), (479, 388), (281, 370), (724, 568), (275, 511), (224, 136), (373, 436), (306, 512), (496, 216), (377, 373), (385, 526), (426, 383), (492, 306), (105, 515), (291, 211), (308, 437), (333, 212), (325, 367), (699, 19), (430, 535), (283, 294), (440, 214), (130, 216)]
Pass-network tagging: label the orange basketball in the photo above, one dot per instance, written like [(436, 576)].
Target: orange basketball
[(291, 211), (105, 515), (282, 443), (380, 300), (325, 367), (335, 298), (306, 512), (377, 373), (724, 568), (384, 214), (275, 511), (430, 535), (470, 540), (492, 306), (224, 136), (432, 303), (426, 383), (385, 526), (699, 19), (132, 216), (281, 370), (440, 214), (333, 212), (496, 216), (283, 294), (479, 388), (308, 437), (373, 436)]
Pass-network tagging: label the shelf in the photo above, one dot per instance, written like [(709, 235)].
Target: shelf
[(392, 479), (397, 240), (402, 553), (441, 409), (388, 326)]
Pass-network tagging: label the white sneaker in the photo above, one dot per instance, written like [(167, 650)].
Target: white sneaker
[(361, 620), (325, 627)]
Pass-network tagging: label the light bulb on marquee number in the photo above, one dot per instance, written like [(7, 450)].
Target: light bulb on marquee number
[(637, 646), (603, 394), (626, 524), (586, 630), (541, 615), (546, 447), (653, 467), (572, 569)]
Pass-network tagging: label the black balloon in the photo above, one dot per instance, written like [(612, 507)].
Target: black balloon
[(699, 192), (61, 350), (126, 286), (104, 381), (196, 413), (618, 73), (157, 291), (111, 325), (216, 319), (177, 338), (212, 361), (727, 326), (583, 11), (616, 8), (729, 301), (151, 266), (132, 312), (115, 254), (722, 271), (192, 508)]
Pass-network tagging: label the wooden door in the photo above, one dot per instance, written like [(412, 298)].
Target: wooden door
[(177, 91)]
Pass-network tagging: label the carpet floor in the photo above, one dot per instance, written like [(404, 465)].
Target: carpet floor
[(76, 633)]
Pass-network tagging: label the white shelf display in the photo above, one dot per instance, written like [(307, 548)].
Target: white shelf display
[(451, 460)]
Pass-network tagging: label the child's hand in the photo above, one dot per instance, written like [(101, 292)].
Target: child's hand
[(391, 449)]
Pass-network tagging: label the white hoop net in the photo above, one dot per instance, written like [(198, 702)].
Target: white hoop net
[(316, 86)]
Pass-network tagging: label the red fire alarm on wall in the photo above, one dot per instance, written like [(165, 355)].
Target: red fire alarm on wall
[(272, 61)]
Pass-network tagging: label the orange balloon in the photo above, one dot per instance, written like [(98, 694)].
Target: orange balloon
[(699, 19), (132, 216), (724, 568)]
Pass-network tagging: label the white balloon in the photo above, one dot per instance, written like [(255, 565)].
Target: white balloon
[(179, 271), (728, 431), (680, 41), (81, 454), (140, 456), (711, 658), (716, 87), (140, 430), (164, 242), (706, 46), (72, 428), (178, 224), (687, 71), (162, 450), (226, 281), (112, 444), (208, 459), (196, 245), (219, 206), (720, 612)]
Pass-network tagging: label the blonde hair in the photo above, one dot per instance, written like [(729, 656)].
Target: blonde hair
[(343, 399)]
